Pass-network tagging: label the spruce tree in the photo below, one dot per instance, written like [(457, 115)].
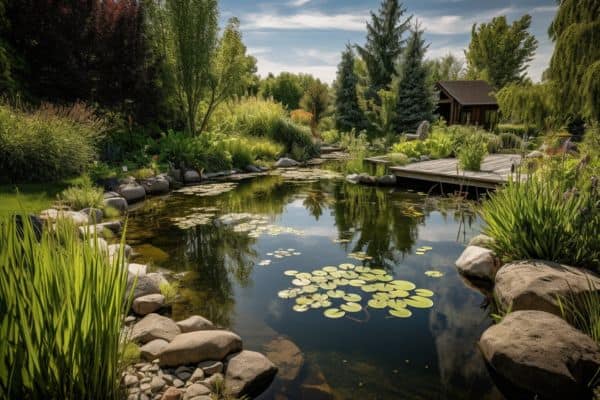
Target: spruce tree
[(414, 97), (384, 45), (348, 114)]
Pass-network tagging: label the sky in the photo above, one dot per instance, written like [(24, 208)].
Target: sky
[(308, 36)]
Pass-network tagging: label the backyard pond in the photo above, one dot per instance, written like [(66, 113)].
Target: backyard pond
[(351, 290)]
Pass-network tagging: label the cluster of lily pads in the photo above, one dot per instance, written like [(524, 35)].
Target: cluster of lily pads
[(279, 253), (360, 256), (200, 216), (210, 189), (434, 274), (255, 225), (320, 288), (306, 174)]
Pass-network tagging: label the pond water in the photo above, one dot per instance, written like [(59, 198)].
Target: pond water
[(230, 268)]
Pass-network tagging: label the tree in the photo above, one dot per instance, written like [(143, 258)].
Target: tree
[(348, 114), (528, 104), (446, 68), (500, 53), (188, 31), (384, 46), (575, 63), (286, 88), (232, 70), (414, 99), (316, 101)]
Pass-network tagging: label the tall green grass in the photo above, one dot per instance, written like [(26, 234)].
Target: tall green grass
[(61, 310), (83, 195), (583, 311)]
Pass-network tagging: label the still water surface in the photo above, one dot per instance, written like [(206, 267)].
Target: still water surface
[(365, 355)]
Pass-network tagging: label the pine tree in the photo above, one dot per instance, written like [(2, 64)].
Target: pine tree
[(414, 100), (575, 64), (348, 114), (384, 45)]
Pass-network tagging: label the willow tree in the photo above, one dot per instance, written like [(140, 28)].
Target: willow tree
[(529, 104), (188, 32), (575, 63)]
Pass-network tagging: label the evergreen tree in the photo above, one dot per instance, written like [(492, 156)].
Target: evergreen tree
[(384, 45), (348, 114), (499, 53), (575, 64), (414, 100)]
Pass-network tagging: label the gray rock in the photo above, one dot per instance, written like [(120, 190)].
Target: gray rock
[(477, 262), (286, 355), (110, 195), (113, 250), (285, 162), (197, 376), (132, 192), (156, 384), (387, 180), (154, 326), (366, 179), (424, 158), (195, 390), (172, 394), (193, 347), (184, 375), (114, 226), (147, 304), (95, 214), (156, 185), (89, 231), (248, 374), (151, 350), (146, 284), (353, 178), (423, 130), (535, 285), (211, 367), (482, 240), (130, 380), (100, 243), (542, 353), (118, 203), (212, 381), (137, 269), (191, 176), (178, 383), (252, 169), (195, 323)]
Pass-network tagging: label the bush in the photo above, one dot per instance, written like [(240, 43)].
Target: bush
[(143, 173), (83, 195), (412, 149), (472, 153), (301, 117), (239, 151), (49, 144), (198, 152), (331, 136), (61, 313), (511, 141), (439, 145), (398, 158), (516, 129)]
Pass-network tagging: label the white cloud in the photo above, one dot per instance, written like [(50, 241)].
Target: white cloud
[(299, 3), (457, 24), (258, 50), (308, 20), (544, 9), (321, 56), (540, 62), (325, 73)]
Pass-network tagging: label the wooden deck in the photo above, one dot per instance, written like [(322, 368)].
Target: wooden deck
[(495, 170)]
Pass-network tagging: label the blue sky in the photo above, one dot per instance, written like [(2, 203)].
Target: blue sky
[(309, 35)]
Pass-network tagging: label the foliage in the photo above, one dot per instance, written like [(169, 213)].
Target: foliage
[(357, 147), (47, 144), (446, 68), (439, 145), (398, 158), (169, 291), (61, 312), (500, 53), (530, 104), (348, 114), (472, 152), (199, 152), (286, 88), (301, 117), (583, 310), (414, 98), (384, 46), (546, 218), (330, 137), (83, 195), (412, 148), (143, 173), (516, 129), (511, 141), (574, 63), (382, 117), (315, 101)]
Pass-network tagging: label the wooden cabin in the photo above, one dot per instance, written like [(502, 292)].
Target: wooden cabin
[(467, 103)]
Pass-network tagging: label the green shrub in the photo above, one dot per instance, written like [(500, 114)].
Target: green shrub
[(264, 149), (143, 173), (398, 158), (46, 145), (493, 142), (61, 313), (290, 134), (100, 170), (517, 129), (582, 310), (510, 141), (331, 136), (83, 195), (198, 152), (439, 145), (472, 152), (541, 219), (240, 152), (412, 149)]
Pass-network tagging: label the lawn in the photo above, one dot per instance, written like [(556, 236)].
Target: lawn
[(30, 197)]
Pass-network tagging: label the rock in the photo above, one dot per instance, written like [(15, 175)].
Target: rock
[(191, 176), (197, 376), (211, 367), (286, 163), (387, 180), (535, 154), (114, 226), (90, 231), (248, 374), (75, 217), (193, 347), (154, 326), (145, 284), (95, 214), (195, 323), (156, 185), (156, 384), (100, 243), (151, 350), (482, 240), (213, 381), (535, 285), (117, 203), (286, 356), (130, 380), (477, 262), (353, 178), (132, 192), (137, 270), (147, 304), (194, 390), (366, 179), (423, 130), (252, 169), (129, 319), (172, 394), (113, 250), (110, 195), (541, 353), (178, 383), (424, 158)]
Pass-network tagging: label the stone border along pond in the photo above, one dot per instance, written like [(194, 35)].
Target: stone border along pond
[(533, 347), (183, 360)]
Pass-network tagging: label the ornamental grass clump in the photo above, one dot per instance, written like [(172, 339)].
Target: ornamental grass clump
[(61, 312), (472, 152), (83, 195)]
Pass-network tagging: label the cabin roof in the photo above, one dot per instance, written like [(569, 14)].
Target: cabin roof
[(469, 93)]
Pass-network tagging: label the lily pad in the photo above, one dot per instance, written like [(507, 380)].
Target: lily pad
[(434, 274), (334, 313), (310, 289), (404, 285), (303, 275), (319, 273), (400, 312), (304, 300), (287, 294), (399, 293), (329, 268), (291, 272), (351, 307), (352, 297), (300, 282), (300, 308), (376, 303), (346, 266), (357, 282), (381, 296), (369, 288), (424, 292), (396, 304), (328, 286), (419, 302), (386, 278), (336, 294), (341, 282), (378, 271)]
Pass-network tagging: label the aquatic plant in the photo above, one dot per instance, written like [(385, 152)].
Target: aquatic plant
[(83, 195), (61, 309), (472, 153)]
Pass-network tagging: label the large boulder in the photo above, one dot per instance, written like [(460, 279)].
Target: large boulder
[(286, 163), (353, 178), (147, 304), (156, 185), (191, 176), (118, 203), (137, 270), (151, 350), (479, 263), (542, 354), (95, 214), (145, 284), (195, 323), (193, 347), (154, 326), (132, 192), (387, 180), (423, 130), (482, 240), (536, 285), (248, 374)]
